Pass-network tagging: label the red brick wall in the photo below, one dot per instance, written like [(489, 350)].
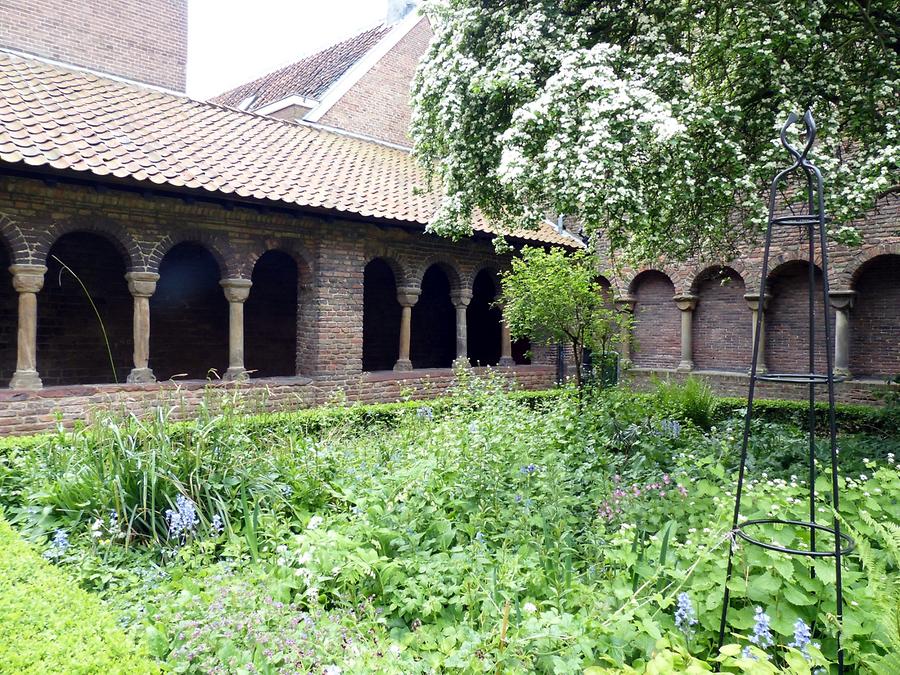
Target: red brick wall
[(29, 412), (70, 343), (657, 322), (787, 321), (143, 40), (722, 323), (875, 319), (378, 105)]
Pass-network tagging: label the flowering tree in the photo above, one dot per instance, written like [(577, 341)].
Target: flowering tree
[(655, 122), (552, 296)]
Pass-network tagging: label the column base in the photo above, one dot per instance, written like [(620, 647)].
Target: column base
[(140, 376), (238, 374), (844, 373), (760, 370), (507, 361), (403, 364), (685, 367), (26, 379)]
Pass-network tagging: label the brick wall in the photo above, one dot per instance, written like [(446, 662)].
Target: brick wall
[(29, 412), (874, 320), (143, 40), (657, 322), (787, 321), (721, 325), (378, 104)]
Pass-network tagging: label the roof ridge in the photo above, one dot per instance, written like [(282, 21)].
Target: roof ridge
[(253, 86)]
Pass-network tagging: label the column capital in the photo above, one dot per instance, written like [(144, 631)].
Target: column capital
[(142, 284), (236, 290), (625, 303), (408, 296), (686, 302), (461, 298), (842, 298), (28, 278), (753, 300)]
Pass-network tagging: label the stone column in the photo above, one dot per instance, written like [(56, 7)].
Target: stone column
[(687, 304), (461, 301), (625, 304), (142, 285), (753, 303), (236, 291), (506, 357), (842, 301), (27, 280), (407, 297)]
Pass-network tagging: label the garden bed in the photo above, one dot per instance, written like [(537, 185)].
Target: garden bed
[(483, 532)]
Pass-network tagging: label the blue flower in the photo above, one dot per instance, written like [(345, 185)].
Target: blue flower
[(685, 616), (479, 537), (183, 519), (670, 427), (802, 638), (529, 469), (58, 545), (762, 636), (216, 525), (425, 413)]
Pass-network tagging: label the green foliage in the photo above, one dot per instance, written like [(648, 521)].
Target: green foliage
[(486, 532), (654, 123), (693, 400), (48, 625), (552, 296)]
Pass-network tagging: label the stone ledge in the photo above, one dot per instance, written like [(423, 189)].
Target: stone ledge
[(423, 373)]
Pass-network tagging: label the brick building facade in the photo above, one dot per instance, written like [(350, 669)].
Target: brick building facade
[(150, 243), (140, 40)]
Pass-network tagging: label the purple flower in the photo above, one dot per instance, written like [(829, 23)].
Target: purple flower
[(762, 635), (685, 616), (802, 638)]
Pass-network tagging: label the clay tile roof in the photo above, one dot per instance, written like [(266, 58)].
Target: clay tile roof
[(308, 77), (72, 120)]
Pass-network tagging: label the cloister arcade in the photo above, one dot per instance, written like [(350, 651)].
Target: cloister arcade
[(85, 316), (701, 323)]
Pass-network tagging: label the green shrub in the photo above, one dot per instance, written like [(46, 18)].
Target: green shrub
[(692, 400), (49, 625)]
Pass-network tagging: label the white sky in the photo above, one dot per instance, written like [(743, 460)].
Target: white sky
[(233, 41)]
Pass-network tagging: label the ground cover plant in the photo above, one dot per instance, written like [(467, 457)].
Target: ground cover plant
[(485, 533)]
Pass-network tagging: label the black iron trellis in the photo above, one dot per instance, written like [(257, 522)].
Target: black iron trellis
[(814, 223)]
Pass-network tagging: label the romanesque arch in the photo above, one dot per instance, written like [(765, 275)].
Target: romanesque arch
[(381, 315), (875, 318), (270, 316), (84, 316), (433, 335), (657, 322), (188, 315), (721, 324), (787, 319), (483, 320)]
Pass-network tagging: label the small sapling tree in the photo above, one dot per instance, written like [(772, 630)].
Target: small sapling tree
[(554, 296)]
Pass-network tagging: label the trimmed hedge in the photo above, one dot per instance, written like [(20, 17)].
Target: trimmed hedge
[(49, 625), (313, 421)]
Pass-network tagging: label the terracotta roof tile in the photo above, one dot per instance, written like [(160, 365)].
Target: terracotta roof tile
[(308, 77), (68, 119)]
